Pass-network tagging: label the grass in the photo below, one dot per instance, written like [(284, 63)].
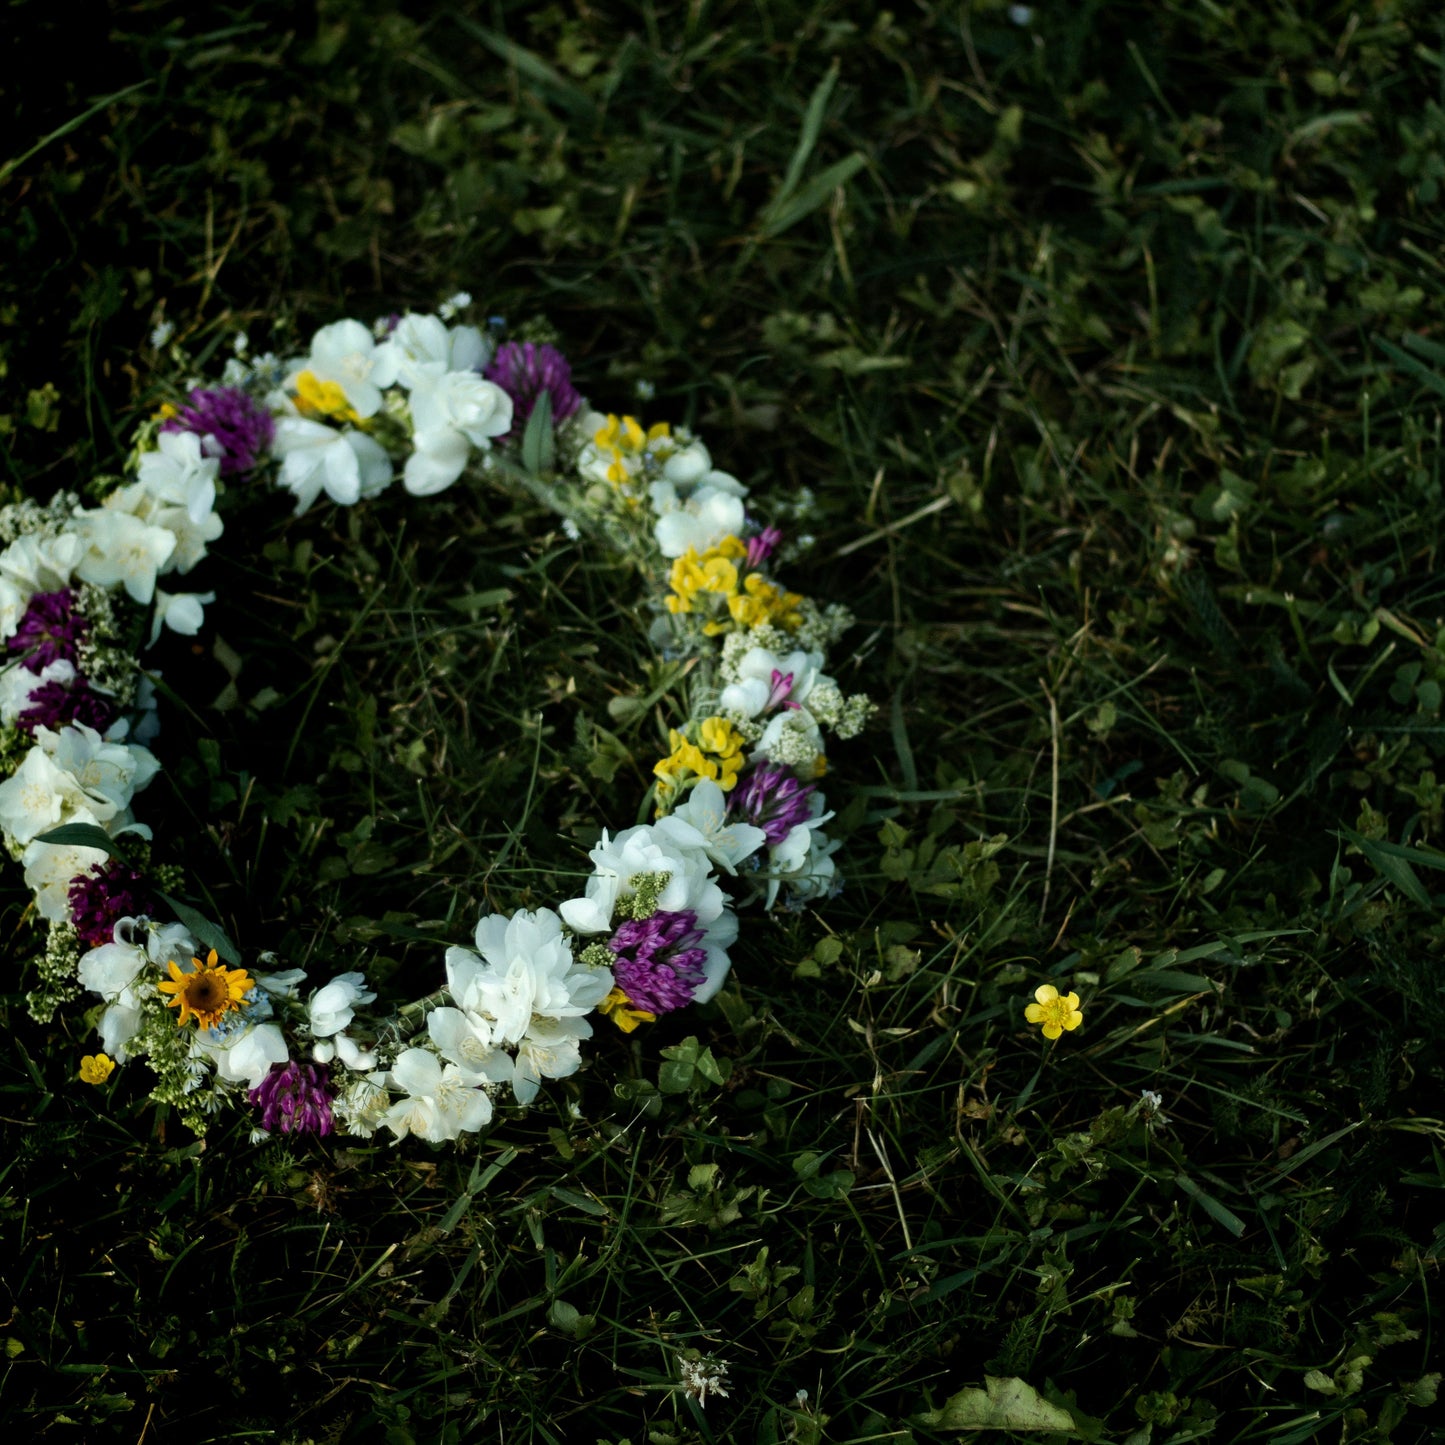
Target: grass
[(1106, 345)]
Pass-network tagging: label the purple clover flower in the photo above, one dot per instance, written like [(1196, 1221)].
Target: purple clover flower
[(242, 429), (659, 965), (51, 630), (771, 798), (54, 704), (296, 1098), (761, 547), (103, 895), (525, 371)]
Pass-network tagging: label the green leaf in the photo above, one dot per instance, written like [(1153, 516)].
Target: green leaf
[(675, 1076), (1227, 1217), (80, 835), (1391, 866), (205, 931), (779, 218), (1002, 1404), (538, 443)]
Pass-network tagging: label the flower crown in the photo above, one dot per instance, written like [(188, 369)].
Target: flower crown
[(739, 811)]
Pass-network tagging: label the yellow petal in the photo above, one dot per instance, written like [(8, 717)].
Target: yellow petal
[(1046, 993), (1034, 1014), (1052, 1031), (1071, 1001), (1073, 1020)]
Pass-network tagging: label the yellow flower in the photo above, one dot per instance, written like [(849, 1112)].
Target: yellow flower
[(96, 1068), (719, 737), (317, 398), (207, 992), (618, 1007), (623, 439), (1055, 1011)]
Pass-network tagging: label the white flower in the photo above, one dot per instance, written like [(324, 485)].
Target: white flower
[(450, 414), (51, 867), (240, 343), (332, 1006), (111, 773), (763, 680), (182, 612), (36, 563), (347, 465), (421, 349), (284, 983), (705, 812), (38, 796), (169, 942), (247, 1059), (528, 971), (631, 857), (440, 1103), (550, 1050), (161, 333), (362, 1105), (344, 1047), (465, 1039), (791, 738), (453, 304), (112, 971), (179, 474), (702, 1377), (345, 353), (700, 522), (191, 534), (123, 550), (804, 860)]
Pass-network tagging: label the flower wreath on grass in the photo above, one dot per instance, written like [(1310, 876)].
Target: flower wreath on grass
[(739, 812)]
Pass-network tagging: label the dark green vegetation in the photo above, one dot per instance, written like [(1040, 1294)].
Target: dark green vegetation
[(1111, 347)]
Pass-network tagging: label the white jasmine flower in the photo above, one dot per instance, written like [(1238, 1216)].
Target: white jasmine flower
[(114, 972), (422, 349), (344, 1047), (37, 563), (108, 773), (191, 536), (332, 1006), (705, 812), (465, 1039), (51, 867), (284, 983), (637, 854), (440, 1103), (182, 612), (38, 796), (123, 550), (450, 414), (347, 465), (179, 474), (246, 1059), (345, 353), (528, 972), (551, 1049)]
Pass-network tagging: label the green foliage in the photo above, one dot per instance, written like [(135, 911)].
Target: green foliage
[(1092, 360)]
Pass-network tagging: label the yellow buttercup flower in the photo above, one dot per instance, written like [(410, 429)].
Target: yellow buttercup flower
[(207, 992), (317, 398), (1056, 1012), (96, 1068), (618, 1007)]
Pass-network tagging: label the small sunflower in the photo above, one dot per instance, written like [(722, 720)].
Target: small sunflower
[(206, 992)]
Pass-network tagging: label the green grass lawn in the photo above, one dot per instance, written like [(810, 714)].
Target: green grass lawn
[(1093, 355)]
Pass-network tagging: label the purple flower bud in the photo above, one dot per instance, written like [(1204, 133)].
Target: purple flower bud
[(761, 547), (105, 894), (524, 372), (771, 798), (54, 704), (659, 965), (296, 1098), (231, 425), (51, 630)]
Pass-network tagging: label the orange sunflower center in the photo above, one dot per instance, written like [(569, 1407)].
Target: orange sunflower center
[(206, 991)]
